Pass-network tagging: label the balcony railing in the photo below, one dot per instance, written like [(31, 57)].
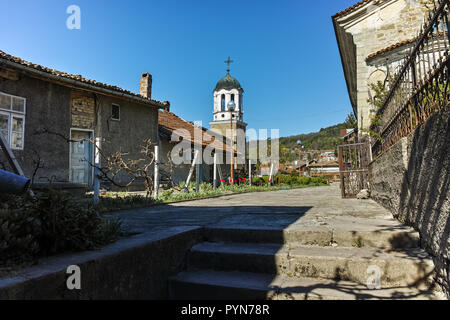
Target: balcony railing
[(421, 86)]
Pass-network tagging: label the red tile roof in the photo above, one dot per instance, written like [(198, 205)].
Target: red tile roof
[(352, 8), (391, 47), (401, 44), (170, 122), (78, 78), (324, 164)]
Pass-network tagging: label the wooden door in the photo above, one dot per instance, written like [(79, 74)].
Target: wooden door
[(81, 157)]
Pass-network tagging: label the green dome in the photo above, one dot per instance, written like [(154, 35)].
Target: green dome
[(228, 83)]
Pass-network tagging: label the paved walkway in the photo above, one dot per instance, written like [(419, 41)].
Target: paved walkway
[(316, 208)]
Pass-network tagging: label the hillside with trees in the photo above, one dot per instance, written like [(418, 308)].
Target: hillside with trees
[(325, 139)]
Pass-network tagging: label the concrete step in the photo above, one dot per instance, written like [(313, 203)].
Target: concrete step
[(388, 238), (405, 268), (217, 285)]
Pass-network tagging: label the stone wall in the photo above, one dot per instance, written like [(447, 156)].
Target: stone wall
[(47, 106), (398, 21), (375, 26), (180, 172), (82, 110), (137, 124), (412, 180), (57, 109)]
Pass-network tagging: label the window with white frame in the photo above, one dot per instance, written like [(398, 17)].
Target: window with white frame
[(12, 120)]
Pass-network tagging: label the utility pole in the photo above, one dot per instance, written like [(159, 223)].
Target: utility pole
[(231, 106)]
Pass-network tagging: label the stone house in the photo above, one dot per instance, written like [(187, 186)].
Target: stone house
[(373, 36), (348, 136), (172, 131), (325, 168), (42, 110), (409, 175)]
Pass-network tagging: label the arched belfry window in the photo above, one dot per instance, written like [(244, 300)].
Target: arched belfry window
[(232, 97), (222, 103)]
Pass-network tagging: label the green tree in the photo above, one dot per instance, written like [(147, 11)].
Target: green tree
[(351, 122)]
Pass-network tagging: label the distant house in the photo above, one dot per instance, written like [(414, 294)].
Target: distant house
[(264, 170), (172, 130), (329, 169), (298, 167), (286, 169), (327, 155), (349, 136), (42, 109)]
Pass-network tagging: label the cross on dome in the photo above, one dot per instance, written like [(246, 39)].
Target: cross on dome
[(228, 61)]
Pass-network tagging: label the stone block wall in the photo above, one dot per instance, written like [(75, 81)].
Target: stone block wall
[(136, 267), (395, 23), (389, 23), (412, 180), (82, 111), (47, 107)]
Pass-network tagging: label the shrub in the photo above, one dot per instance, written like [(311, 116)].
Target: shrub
[(192, 185), (303, 180), (287, 179), (18, 232), (291, 180), (52, 223), (258, 180), (116, 201), (167, 193), (204, 186), (67, 226), (319, 180)]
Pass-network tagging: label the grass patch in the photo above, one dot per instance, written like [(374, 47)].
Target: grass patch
[(113, 201), (177, 196)]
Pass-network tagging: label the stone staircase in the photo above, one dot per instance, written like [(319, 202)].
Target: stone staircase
[(255, 263)]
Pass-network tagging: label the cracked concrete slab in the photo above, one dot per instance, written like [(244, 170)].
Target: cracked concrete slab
[(315, 208)]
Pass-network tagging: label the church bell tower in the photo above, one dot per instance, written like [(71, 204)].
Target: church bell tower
[(228, 89)]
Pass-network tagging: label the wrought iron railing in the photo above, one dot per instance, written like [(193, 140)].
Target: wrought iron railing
[(421, 86), (354, 162)]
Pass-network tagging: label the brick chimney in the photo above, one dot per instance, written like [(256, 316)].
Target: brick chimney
[(145, 89), (167, 105)]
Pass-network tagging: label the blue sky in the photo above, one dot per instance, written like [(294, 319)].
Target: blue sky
[(285, 52)]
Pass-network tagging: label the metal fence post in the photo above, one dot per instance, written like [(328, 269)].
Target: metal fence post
[(215, 171), (250, 171), (191, 171), (271, 174)]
